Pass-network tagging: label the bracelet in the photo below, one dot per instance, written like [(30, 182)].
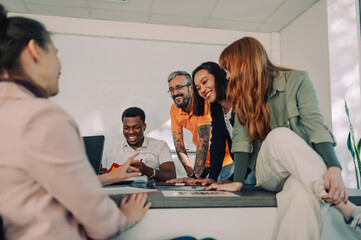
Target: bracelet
[(191, 175), (153, 175)]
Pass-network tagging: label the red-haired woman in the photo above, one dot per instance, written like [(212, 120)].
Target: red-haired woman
[(280, 133)]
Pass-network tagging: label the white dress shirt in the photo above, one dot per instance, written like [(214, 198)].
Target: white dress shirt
[(154, 152)]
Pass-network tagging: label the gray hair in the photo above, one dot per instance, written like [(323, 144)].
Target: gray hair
[(180, 73)]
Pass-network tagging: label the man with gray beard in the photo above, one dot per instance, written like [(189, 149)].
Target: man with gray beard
[(181, 112)]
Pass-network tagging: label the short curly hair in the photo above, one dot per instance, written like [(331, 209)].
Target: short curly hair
[(133, 112)]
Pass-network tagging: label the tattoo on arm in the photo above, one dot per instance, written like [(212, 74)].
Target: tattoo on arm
[(180, 148), (202, 149)]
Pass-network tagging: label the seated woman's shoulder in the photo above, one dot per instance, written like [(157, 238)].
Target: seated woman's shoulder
[(297, 73), (44, 109)]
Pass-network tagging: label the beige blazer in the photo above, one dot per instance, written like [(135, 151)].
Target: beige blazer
[(48, 189)]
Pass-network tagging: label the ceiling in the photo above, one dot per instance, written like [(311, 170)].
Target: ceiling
[(239, 15)]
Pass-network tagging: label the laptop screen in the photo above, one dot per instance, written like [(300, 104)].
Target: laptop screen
[(94, 150)]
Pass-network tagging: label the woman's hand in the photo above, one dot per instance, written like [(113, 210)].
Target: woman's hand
[(232, 187), (224, 181), (135, 208), (334, 186), (120, 173)]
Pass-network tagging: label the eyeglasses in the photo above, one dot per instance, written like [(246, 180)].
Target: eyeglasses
[(178, 87)]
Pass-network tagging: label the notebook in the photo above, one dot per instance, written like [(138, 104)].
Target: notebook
[(94, 150)]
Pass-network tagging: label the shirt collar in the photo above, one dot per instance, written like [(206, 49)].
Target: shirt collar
[(13, 90), (185, 113), (28, 86)]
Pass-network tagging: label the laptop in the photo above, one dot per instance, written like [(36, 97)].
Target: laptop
[(94, 150)]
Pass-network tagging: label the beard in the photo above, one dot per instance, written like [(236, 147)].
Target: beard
[(183, 104)]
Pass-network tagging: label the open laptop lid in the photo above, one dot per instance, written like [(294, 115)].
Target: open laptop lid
[(94, 150)]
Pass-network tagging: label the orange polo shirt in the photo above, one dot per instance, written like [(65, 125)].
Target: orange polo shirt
[(180, 119)]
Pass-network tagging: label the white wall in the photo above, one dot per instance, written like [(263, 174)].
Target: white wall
[(125, 30), (304, 47), (103, 76), (325, 42), (109, 66)]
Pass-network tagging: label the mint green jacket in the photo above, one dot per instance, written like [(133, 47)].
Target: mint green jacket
[(292, 103)]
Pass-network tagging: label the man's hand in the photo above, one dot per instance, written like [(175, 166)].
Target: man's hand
[(140, 165), (134, 209), (181, 180), (334, 186), (202, 181), (219, 186)]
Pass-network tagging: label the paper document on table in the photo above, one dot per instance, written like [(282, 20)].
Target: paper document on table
[(126, 190), (198, 194)]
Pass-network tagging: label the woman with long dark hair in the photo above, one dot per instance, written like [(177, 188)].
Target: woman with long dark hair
[(280, 133), (48, 189), (210, 84)]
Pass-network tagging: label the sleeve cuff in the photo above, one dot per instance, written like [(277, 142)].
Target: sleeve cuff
[(327, 152)]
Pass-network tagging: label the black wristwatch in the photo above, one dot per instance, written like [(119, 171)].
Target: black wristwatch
[(191, 175)]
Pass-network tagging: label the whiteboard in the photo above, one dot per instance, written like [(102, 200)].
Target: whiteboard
[(102, 76)]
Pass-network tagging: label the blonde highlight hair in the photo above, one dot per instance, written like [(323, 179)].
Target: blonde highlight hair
[(251, 74)]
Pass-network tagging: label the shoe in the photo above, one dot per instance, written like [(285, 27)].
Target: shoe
[(355, 221)]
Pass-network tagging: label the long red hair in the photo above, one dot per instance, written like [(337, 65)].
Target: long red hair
[(251, 75)]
